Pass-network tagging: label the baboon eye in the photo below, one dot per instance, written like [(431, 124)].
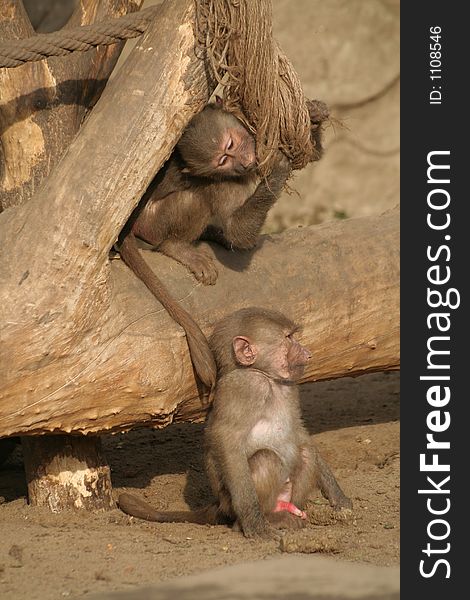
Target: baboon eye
[(223, 160), (230, 144)]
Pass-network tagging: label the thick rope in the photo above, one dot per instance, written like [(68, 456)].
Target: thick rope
[(236, 36), (260, 84), (14, 53)]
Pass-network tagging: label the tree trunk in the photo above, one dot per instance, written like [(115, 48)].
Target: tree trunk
[(42, 104), (58, 299), (67, 472), (339, 280)]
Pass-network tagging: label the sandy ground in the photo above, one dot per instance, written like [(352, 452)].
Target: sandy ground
[(355, 425)]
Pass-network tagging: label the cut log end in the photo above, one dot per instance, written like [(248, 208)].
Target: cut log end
[(67, 473)]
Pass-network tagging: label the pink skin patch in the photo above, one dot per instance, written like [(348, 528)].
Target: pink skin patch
[(289, 507)]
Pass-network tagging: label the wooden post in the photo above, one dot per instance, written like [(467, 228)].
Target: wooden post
[(66, 471), (58, 296)]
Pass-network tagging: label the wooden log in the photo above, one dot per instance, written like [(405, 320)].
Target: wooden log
[(67, 472), (86, 348), (56, 285), (43, 104), (339, 280), (70, 224)]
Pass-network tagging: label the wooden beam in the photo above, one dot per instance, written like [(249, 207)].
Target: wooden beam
[(57, 288), (339, 280)]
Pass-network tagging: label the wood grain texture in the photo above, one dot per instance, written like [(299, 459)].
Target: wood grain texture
[(43, 104), (67, 472), (84, 346), (339, 280), (56, 283)]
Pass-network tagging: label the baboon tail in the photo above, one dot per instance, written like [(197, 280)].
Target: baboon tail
[(136, 507), (201, 355)]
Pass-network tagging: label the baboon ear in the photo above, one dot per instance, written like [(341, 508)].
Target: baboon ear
[(245, 352), (219, 101)]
